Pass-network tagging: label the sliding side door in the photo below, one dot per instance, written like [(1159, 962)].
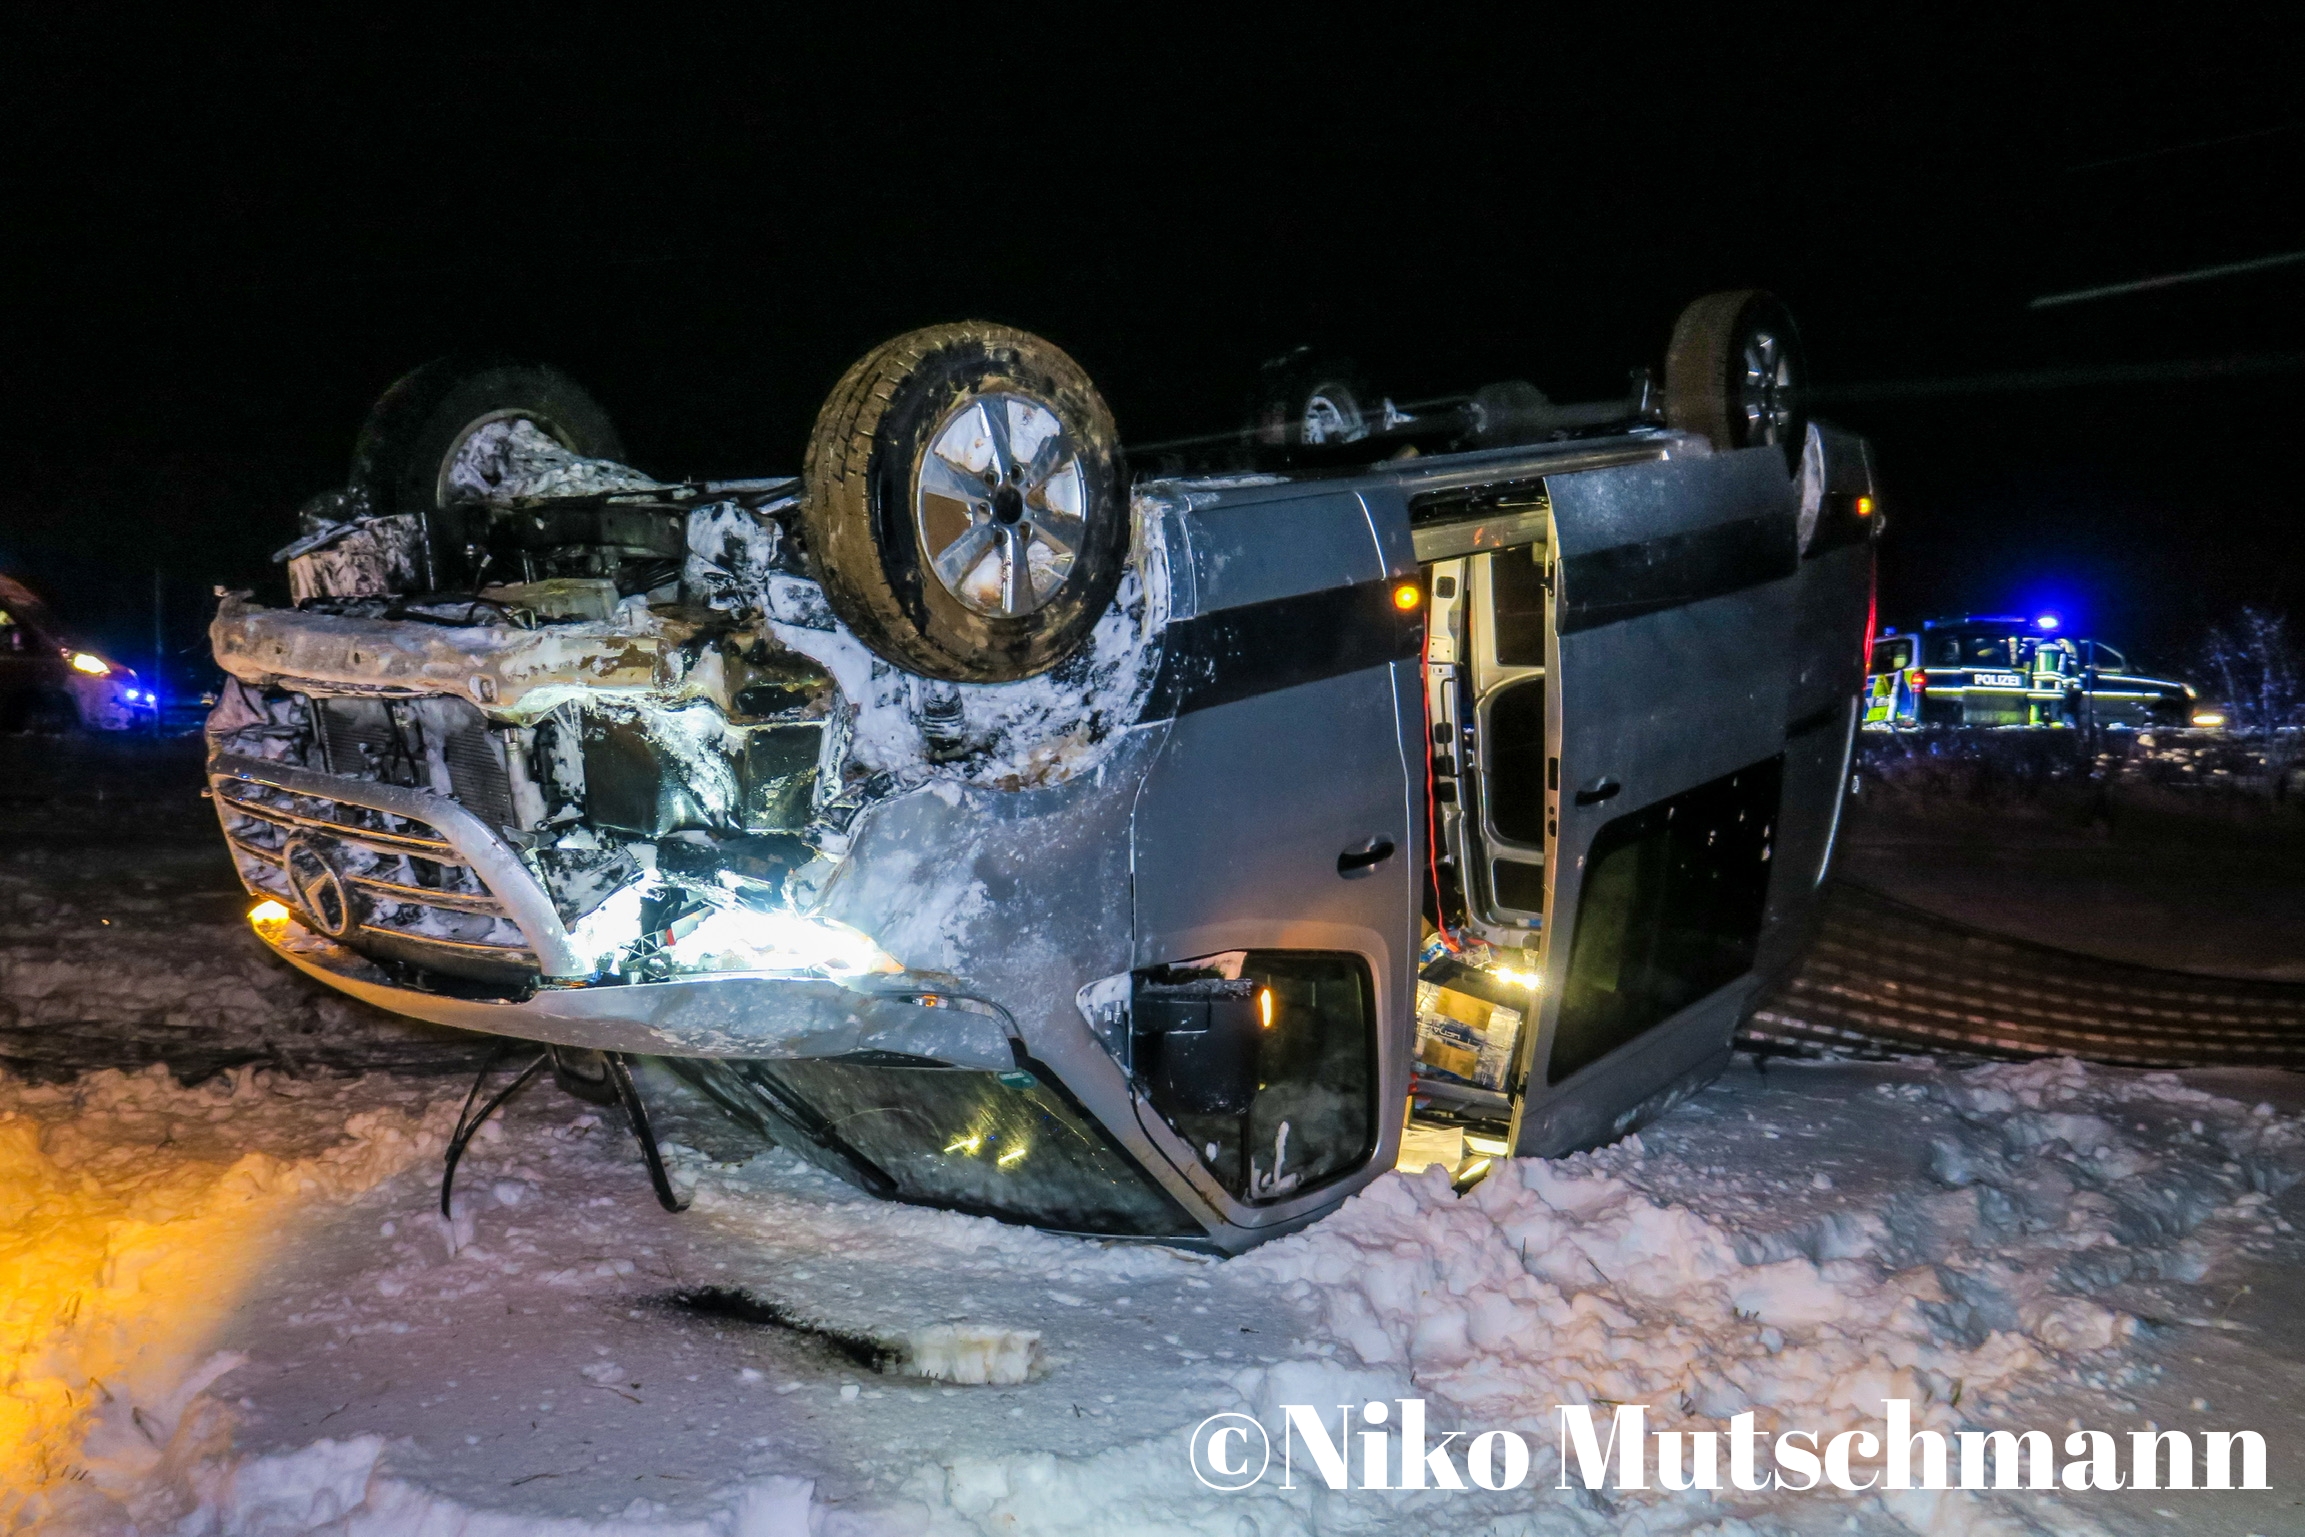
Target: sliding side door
[(1668, 638)]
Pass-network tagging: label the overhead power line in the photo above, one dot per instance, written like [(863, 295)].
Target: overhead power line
[(2143, 285), (2187, 146), (2174, 372)]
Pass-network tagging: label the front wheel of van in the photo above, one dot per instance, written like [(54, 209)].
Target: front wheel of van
[(965, 505)]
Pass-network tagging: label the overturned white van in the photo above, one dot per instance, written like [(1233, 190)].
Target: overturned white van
[(1010, 836)]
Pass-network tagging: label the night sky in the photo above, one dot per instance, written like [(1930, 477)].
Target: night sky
[(228, 242)]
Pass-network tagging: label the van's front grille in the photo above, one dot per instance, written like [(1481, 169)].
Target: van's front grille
[(407, 891)]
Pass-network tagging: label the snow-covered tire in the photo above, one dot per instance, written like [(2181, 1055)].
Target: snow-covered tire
[(413, 435), (1735, 371), (1306, 400), (936, 543)]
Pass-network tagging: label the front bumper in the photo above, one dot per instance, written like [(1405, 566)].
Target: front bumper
[(733, 1014), (913, 1096)]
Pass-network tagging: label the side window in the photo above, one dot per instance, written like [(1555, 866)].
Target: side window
[(1517, 586), (1900, 657), (1945, 651), (1509, 684), (1516, 743), (2109, 660), (1671, 910)]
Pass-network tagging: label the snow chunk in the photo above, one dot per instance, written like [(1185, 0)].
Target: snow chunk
[(975, 1354)]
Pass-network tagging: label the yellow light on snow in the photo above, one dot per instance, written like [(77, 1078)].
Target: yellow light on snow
[(267, 912), (2208, 717), (91, 664), (1265, 1006), (970, 1144), (120, 1279), (1013, 1155)]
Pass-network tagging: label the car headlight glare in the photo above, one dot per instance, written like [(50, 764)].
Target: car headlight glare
[(91, 664)]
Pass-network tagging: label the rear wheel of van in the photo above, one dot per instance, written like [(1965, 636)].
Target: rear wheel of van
[(437, 437), (1735, 371), (965, 507), (1306, 400)]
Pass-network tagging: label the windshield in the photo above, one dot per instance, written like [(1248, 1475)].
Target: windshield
[(1007, 1145), (1973, 648)]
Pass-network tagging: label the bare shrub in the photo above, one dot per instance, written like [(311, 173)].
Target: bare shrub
[(2252, 663)]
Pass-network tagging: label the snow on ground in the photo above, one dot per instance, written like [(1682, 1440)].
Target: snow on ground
[(234, 1308)]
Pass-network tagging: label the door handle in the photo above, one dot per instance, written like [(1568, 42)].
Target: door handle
[(1363, 858), (1598, 791)]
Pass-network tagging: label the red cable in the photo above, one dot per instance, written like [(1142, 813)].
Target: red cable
[(1432, 818)]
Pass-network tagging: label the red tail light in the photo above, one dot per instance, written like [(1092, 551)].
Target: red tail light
[(1918, 679), (1872, 615)]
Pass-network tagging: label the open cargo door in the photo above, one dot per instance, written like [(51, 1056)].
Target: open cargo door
[(1667, 639)]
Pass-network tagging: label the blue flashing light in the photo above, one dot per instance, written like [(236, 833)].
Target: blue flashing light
[(2047, 622)]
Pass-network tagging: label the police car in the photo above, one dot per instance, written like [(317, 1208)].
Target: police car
[(2001, 670)]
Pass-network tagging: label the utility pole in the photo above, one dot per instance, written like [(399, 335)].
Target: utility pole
[(159, 651), (2096, 733)]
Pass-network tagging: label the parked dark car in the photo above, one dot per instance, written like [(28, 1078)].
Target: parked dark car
[(48, 683)]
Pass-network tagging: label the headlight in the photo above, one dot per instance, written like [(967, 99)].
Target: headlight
[(727, 936), (91, 664), (2208, 717), (737, 938)]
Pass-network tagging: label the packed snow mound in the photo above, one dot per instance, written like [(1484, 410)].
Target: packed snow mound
[(338, 1487), (1803, 1246), (1577, 1282), (117, 1268)]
